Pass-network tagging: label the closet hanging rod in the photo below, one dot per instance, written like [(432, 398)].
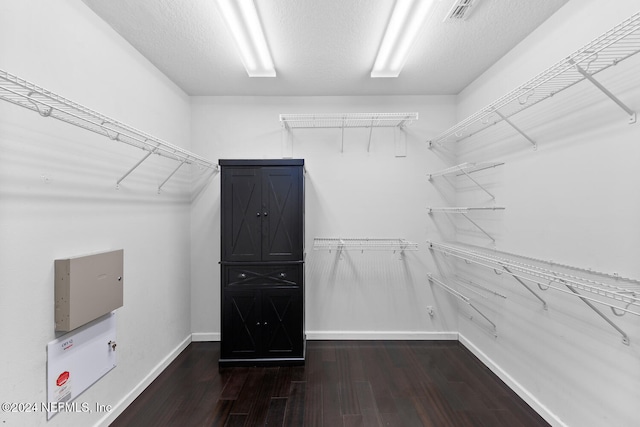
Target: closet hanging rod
[(626, 297), (21, 92), (609, 49)]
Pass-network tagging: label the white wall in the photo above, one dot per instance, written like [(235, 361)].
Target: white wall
[(58, 199), (354, 193), (574, 201)]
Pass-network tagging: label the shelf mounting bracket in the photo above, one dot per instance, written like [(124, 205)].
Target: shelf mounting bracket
[(172, 173), (476, 182), (478, 227), (625, 337), (544, 303), (586, 75), (146, 156), (510, 123)]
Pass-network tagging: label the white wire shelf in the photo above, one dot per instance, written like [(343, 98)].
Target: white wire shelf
[(465, 168), (339, 244), (21, 92), (612, 47), (621, 295), (347, 120)]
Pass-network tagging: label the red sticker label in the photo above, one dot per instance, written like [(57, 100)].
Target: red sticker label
[(62, 378)]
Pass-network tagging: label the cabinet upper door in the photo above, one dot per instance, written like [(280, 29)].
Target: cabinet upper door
[(282, 223), (262, 213), (241, 214)]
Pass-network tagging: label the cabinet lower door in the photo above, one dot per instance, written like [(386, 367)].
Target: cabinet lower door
[(262, 324), (241, 325), (282, 323)]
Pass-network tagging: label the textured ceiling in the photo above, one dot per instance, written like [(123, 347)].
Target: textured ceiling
[(320, 47)]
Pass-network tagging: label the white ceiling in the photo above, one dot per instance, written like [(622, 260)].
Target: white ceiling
[(320, 47)]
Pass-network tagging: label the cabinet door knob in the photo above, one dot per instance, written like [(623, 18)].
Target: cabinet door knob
[(265, 213), (282, 275), (265, 323), (242, 276), (257, 323), (257, 213)]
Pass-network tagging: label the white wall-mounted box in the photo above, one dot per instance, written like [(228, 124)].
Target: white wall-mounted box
[(87, 287)]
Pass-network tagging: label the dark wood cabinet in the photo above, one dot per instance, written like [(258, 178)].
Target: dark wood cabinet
[(262, 236)]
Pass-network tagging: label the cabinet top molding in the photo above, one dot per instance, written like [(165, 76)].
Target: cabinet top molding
[(261, 162)]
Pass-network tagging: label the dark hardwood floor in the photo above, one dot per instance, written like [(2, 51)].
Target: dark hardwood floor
[(344, 383)]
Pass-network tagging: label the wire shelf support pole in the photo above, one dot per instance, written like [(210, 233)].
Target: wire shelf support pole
[(625, 337), (517, 129), (629, 111)]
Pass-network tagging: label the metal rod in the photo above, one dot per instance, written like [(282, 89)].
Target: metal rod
[(632, 114), (535, 145), (625, 337), (477, 183), (479, 228), (544, 303), (169, 177), (135, 166)]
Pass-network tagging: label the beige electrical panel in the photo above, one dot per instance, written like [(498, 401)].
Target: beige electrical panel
[(87, 287)]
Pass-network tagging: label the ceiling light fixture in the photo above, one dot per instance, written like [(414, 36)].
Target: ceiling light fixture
[(403, 29), (242, 21)]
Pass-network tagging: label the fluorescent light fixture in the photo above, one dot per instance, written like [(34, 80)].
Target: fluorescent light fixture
[(242, 21), (403, 29)]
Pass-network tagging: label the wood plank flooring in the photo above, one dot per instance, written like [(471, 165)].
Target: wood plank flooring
[(344, 383)]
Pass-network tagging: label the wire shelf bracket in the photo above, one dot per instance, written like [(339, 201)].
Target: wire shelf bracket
[(23, 93), (467, 169), (619, 43), (347, 120), (620, 298), (464, 299), (463, 211)]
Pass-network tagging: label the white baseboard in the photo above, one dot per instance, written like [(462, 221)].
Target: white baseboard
[(205, 336), (119, 407), (514, 385), (381, 335)]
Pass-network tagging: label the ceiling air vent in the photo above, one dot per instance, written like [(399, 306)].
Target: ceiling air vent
[(460, 10)]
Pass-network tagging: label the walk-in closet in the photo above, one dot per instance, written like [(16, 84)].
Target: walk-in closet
[(320, 213)]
